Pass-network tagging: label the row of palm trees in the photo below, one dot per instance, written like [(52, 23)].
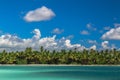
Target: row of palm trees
[(43, 56)]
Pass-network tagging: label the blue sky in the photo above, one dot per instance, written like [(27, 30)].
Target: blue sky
[(85, 22)]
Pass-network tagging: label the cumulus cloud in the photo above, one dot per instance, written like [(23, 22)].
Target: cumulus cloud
[(105, 44), (69, 45), (84, 32), (39, 14), (112, 34), (93, 47), (57, 31), (10, 42), (37, 34)]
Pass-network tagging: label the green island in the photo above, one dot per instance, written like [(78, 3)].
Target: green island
[(43, 56)]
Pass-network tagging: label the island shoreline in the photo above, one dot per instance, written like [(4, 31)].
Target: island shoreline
[(52, 65)]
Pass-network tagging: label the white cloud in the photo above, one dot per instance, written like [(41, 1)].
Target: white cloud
[(105, 44), (92, 41), (14, 43), (37, 34), (90, 26), (84, 32), (39, 14), (70, 37), (69, 45), (112, 34), (93, 47), (57, 31), (116, 25)]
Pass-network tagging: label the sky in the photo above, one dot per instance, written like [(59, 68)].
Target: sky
[(59, 24)]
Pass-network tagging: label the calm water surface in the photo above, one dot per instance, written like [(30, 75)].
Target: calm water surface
[(59, 72)]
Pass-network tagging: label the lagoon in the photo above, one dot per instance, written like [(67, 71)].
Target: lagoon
[(59, 72)]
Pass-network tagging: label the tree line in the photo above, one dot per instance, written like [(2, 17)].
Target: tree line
[(43, 56)]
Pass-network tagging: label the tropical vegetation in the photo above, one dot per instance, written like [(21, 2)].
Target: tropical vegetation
[(43, 56)]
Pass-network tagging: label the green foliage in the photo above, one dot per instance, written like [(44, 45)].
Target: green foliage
[(85, 57)]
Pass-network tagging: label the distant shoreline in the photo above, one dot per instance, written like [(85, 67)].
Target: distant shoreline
[(51, 65)]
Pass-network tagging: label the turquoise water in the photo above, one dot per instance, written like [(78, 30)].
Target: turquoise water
[(59, 73)]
